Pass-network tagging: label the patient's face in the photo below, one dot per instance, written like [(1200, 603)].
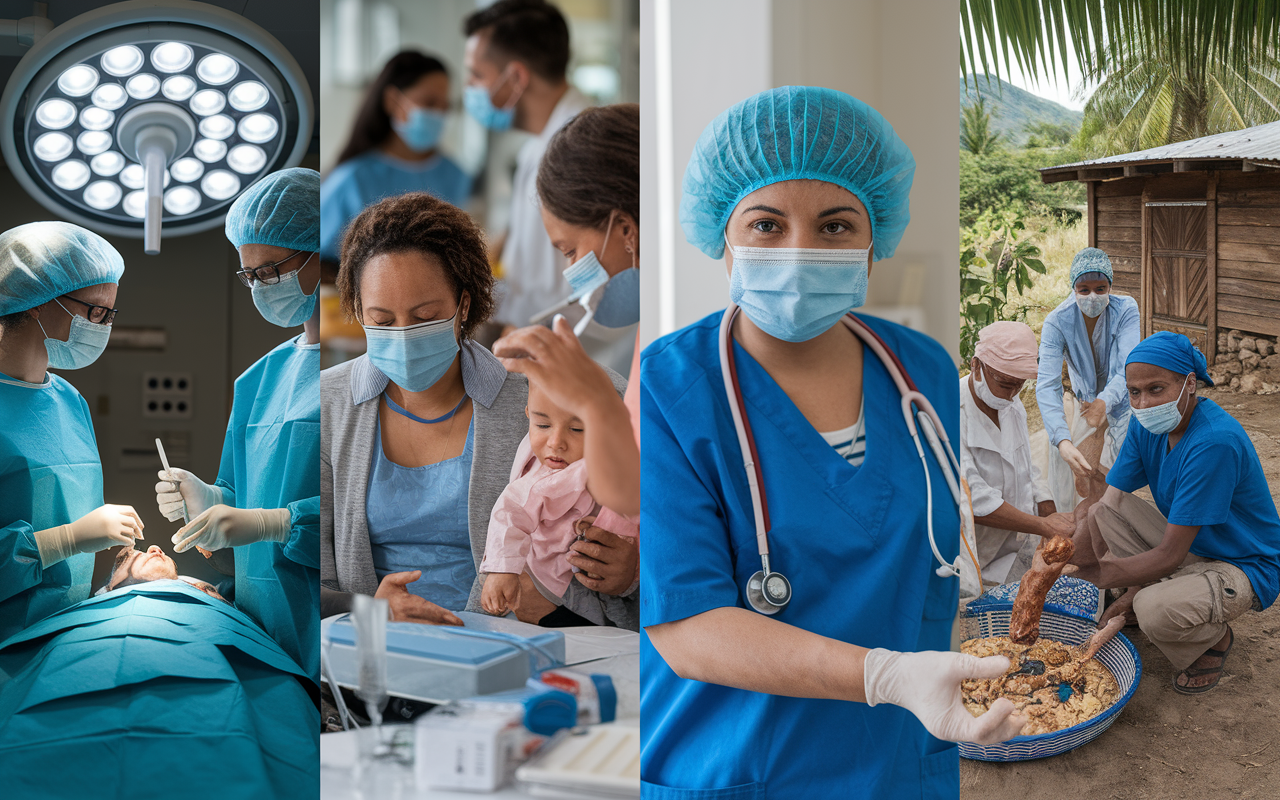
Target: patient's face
[(139, 566)]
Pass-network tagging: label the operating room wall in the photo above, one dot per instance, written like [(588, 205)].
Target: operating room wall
[(213, 333), (885, 53)]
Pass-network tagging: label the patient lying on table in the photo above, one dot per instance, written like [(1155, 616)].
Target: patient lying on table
[(156, 669)]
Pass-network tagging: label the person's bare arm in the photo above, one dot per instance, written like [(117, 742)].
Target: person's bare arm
[(1148, 567), (745, 650), (1009, 518), (556, 362)]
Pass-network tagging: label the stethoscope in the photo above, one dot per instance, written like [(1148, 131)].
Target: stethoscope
[(768, 591)]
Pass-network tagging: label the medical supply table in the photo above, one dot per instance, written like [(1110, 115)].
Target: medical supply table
[(340, 781)]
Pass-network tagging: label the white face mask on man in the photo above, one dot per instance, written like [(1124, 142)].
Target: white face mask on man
[(986, 395)]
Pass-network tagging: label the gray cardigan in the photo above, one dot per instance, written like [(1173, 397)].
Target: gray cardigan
[(347, 432)]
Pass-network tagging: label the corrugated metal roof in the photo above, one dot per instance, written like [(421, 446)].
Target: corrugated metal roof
[(1259, 143)]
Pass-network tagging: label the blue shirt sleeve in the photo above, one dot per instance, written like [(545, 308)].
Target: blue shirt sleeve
[(1206, 484), (687, 567), (1129, 473), (1049, 385), (303, 545), (1129, 333), (227, 467), (338, 198)]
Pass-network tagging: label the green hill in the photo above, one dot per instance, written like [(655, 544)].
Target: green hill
[(1013, 109)]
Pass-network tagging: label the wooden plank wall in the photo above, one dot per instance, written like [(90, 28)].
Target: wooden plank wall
[(1116, 229), (1248, 248)]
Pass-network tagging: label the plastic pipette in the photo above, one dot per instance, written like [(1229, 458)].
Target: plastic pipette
[(370, 616), (164, 461)]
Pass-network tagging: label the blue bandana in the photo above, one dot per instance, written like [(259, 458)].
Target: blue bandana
[(1171, 351)]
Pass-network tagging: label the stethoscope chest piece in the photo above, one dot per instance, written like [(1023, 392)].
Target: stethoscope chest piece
[(768, 594)]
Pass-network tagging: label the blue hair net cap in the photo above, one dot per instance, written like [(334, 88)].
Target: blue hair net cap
[(43, 260), (1171, 351), (282, 210), (1090, 259), (793, 133)]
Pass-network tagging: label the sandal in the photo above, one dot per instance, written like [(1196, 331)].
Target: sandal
[(1195, 672)]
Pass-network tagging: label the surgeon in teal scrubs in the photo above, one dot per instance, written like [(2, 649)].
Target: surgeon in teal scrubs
[(58, 287), (796, 184), (266, 500)]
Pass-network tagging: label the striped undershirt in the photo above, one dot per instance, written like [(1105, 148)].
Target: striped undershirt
[(850, 442)]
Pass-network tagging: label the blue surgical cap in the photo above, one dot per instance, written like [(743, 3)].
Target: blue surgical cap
[(43, 260), (1090, 259), (790, 133), (282, 210), (1171, 351)]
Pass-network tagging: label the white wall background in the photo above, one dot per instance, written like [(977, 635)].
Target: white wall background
[(698, 57)]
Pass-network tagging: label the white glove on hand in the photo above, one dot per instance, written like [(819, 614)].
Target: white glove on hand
[(928, 685), (177, 486), (106, 526), (224, 526)]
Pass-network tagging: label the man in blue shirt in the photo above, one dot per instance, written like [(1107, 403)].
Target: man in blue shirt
[(1212, 549)]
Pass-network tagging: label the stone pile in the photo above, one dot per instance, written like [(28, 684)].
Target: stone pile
[(1247, 363)]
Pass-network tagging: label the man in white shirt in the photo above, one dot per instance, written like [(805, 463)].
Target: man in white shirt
[(1009, 499), (517, 54)]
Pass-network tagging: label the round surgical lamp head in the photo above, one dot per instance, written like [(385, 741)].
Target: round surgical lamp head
[(196, 98)]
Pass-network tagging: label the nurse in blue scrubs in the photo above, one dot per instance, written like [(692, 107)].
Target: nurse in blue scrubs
[(1210, 549), (265, 502), (793, 187), (394, 147), (58, 287)]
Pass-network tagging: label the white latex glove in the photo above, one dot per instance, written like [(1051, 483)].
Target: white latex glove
[(177, 486), (224, 526), (928, 685), (1074, 458), (105, 526)]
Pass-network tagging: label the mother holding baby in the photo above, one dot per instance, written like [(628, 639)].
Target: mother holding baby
[(420, 434)]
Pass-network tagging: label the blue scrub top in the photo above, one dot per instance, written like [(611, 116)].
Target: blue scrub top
[(417, 518), (364, 180), (852, 541), (1211, 478), (1096, 365), (50, 475), (271, 459)]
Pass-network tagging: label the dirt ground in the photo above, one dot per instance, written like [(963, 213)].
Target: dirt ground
[(1223, 744)]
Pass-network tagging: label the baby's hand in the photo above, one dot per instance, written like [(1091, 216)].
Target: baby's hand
[(500, 594)]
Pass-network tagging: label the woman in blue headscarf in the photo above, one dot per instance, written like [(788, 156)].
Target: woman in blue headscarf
[(799, 189), (1214, 534), (57, 295), (265, 502)]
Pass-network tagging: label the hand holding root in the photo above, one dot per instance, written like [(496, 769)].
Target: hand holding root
[(1050, 559), (928, 685)]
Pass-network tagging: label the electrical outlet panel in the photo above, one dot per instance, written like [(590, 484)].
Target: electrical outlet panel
[(167, 395)]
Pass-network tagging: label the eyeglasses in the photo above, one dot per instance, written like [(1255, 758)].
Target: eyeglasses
[(267, 273), (100, 315)]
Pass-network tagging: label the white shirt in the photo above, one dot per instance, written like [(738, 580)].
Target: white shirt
[(850, 442), (532, 268), (996, 463)]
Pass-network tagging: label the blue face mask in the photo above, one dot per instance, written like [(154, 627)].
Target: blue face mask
[(284, 303), (796, 293), (415, 357), (479, 104), (1163, 418), (1092, 305), (84, 343), (617, 304), (421, 131)]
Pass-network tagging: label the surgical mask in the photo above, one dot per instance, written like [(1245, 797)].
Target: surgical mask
[(416, 356), (84, 343), (421, 131), (1092, 305), (284, 303), (1163, 418), (987, 396), (796, 293), (479, 104)]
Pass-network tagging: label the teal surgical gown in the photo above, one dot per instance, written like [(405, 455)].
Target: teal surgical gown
[(50, 475), (271, 459), (852, 541), (154, 691)]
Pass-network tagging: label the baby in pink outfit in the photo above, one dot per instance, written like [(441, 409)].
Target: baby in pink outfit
[(534, 521)]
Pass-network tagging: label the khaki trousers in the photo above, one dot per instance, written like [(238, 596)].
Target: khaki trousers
[(1186, 613)]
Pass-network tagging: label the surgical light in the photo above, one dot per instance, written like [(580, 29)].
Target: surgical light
[(108, 108)]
